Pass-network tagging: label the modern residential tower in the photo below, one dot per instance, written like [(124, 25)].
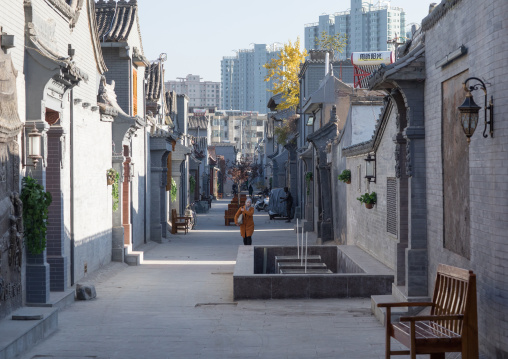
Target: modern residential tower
[(200, 93), (243, 79), (368, 27)]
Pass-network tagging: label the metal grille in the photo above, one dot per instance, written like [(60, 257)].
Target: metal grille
[(391, 206)]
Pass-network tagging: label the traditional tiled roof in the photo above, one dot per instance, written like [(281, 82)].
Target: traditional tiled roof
[(439, 11), (409, 67), (274, 101), (115, 20), (200, 122), (337, 64), (153, 84)]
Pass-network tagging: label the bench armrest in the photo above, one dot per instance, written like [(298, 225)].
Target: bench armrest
[(405, 304), (432, 317)]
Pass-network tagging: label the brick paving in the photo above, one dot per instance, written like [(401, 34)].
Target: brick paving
[(179, 304)]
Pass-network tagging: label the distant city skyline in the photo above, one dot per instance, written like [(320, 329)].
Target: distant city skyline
[(196, 35)]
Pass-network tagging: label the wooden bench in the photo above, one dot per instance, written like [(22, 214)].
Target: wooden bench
[(452, 325), (179, 222), (229, 216)]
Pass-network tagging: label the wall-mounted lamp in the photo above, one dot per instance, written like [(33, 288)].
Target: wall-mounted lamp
[(94, 108), (77, 101), (469, 110), (370, 168), (34, 147), (86, 104)]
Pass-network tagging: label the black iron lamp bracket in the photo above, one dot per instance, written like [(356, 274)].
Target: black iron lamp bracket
[(489, 107)]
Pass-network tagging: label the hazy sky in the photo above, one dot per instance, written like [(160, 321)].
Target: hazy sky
[(196, 34)]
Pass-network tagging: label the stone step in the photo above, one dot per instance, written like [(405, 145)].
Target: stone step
[(302, 271), (18, 336), (132, 258), (311, 258), (298, 265)]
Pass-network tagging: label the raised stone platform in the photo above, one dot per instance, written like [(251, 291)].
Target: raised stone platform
[(306, 271), (16, 336), (354, 274)]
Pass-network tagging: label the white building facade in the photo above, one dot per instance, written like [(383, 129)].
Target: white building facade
[(200, 93)]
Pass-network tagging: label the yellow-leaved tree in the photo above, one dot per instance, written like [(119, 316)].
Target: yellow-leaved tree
[(335, 43), (284, 71)]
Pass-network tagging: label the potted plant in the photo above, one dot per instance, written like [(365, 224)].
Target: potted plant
[(111, 175), (369, 199), (173, 190), (345, 176), (115, 192), (36, 203)]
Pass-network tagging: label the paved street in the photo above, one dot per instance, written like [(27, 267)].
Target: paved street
[(179, 304)]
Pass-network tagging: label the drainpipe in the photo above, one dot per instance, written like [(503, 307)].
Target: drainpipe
[(72, 184), (145, 158)]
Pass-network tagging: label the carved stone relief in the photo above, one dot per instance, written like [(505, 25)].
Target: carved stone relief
[(397, 161), (409, 165), (11, 226), (10, 124)]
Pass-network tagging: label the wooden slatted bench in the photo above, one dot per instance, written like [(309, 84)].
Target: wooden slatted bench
[(452, 325), (229, 216), (177, 223)]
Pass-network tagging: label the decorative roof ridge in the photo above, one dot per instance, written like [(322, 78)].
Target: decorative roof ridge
[(383, 71), (439, 11), (94, 33), (118, 20)]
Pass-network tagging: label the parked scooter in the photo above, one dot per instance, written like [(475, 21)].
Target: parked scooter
[(262, 203)]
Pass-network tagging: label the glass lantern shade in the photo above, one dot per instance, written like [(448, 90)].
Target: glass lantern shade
[(370, 168), (34, 144), (469, 115)]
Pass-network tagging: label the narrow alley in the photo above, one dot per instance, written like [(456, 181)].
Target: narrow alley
[(179, 304)]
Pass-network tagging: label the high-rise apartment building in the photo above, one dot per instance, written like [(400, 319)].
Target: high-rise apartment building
[(368, 27), (243, 79), (200, 93)]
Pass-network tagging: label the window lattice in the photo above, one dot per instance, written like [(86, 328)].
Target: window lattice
[(391, 206)]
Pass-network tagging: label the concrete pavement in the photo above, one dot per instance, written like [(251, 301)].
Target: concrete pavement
[(179, 304)]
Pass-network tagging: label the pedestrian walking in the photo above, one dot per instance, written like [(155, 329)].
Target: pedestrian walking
[(289, 203), (247, 221), (251, 190)]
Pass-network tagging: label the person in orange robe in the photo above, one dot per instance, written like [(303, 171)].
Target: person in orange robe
[(247, 227)]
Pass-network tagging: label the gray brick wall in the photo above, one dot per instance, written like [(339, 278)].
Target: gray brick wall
[(483, 30), (118, 71), (366, 228)]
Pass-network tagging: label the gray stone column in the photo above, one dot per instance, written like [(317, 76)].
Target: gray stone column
[(159, 151), (55, 234), (417, 252), (117, 254), (319, 140), (37, 268)]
